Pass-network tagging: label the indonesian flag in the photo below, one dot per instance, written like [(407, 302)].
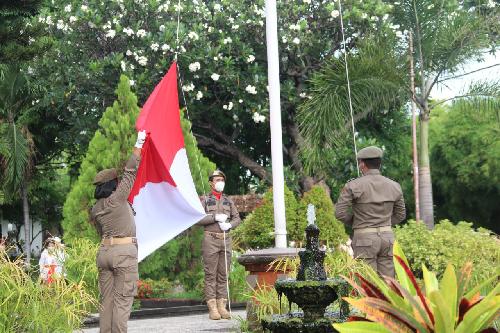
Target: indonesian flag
[(163, 196)]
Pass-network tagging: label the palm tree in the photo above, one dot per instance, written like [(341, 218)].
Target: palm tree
[(448, 34), (16, 144)]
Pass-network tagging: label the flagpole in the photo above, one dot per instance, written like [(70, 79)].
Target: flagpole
[(275, 123)]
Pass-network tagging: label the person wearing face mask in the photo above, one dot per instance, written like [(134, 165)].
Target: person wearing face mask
[(117, 262), (222, 216), (371, 204)]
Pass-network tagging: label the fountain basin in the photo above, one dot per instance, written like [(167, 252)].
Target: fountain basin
[(311, 296), (293, 322)]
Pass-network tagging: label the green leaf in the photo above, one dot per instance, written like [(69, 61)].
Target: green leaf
[(480, 316), (430, 281), (360, 327), (480, 286), (449, 291), (443, 321), (400, 271)]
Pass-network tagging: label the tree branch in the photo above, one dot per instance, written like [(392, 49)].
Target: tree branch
[(230, 150), (464, 74), (460, 96)]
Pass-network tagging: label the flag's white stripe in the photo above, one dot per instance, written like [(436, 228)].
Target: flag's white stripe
[(179, 170), (162, 212)]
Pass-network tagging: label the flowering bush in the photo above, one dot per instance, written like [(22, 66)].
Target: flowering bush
[(144, 289)]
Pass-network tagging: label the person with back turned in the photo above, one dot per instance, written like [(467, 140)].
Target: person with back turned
[(117, 256), (222, 216), (371, 204)]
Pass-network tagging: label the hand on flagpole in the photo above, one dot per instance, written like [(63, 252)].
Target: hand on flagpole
[(225, 226), (141, 138), (221, 218)]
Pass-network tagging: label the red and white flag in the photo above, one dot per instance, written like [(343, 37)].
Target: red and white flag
[(163, 196)]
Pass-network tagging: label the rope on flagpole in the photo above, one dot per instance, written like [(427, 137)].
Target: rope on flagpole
[(227, 275), (177, 36), (348, 88)]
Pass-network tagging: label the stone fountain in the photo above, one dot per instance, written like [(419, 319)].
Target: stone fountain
[(311, 291)]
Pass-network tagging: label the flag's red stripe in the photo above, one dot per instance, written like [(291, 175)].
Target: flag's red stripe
[(161, 119)]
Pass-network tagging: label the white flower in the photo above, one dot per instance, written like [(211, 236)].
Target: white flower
[(141, 33), (385, 17), (193, 35), (111, 33), (399, 34), (142, 60), (189, 87), (230, 105), (240, 101), (155, 46), (67, 8), (194, 66), (491, 4), (363, 16), (162, 28), (303, 95), (250, 58), (129, 53), (165, 47), (283, 39), (210, 29), (227, 40), (336, 13), (85, 8), (199, 95), (235, 27), (177, 8), (258, 118), (295, 27), (217, 7), (261, 23), (296, 41), (307, 1), (215, 76), (132, 82), (251, 90), (72, 19), (129, 31), (48, 20), (235, 117), (123, 65)]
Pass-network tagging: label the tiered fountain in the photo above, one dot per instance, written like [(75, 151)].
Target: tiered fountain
[(311, 291)]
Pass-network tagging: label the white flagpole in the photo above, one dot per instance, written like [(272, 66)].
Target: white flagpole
[(275, 122)]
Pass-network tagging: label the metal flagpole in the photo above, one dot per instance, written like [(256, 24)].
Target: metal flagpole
[(273, 74)]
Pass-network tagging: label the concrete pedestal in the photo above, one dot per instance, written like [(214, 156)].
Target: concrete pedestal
[(260, 273)]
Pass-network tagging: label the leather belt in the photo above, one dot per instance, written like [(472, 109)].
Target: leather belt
[(119, 240), (218, 235), (372, 230)]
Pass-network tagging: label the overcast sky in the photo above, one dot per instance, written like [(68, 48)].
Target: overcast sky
[(457, 86)]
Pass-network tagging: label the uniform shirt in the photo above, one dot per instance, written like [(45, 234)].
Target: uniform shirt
[(113, 215), (371, 201), (213, 206)]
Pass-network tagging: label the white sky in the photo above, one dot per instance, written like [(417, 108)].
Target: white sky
[(457, 86)]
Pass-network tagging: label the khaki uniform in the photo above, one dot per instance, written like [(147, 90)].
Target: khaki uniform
[(213, 244), (117, 264), (367, 204)]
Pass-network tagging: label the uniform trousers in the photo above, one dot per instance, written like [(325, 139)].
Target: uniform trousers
[(376, 250), (214, 264), (118, 275)]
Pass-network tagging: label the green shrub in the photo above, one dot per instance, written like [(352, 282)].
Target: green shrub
[(80, 265), (450, 243), (257, 230), (332, 231), (238, 286), (26, 305)]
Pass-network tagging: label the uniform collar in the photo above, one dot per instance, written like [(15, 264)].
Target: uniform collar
[(372, 172)]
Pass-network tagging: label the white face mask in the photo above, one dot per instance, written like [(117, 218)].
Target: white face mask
[(219, 186)]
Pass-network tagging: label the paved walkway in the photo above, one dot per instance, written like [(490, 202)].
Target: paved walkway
[(182, 324)]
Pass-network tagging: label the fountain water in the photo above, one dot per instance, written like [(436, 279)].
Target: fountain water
[(311, 291)]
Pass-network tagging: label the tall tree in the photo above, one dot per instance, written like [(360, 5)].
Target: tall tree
[(16, 144), (447, 34), (222, 61)]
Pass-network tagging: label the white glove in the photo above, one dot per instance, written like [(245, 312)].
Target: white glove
[(221, 218), (141, 137), (225, 226)]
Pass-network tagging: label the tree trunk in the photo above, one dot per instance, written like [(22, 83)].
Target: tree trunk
[(424, 174), (27, 224)]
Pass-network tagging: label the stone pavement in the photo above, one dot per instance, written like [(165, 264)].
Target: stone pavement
[(181, 324)]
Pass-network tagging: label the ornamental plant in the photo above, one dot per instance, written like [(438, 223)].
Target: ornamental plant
[(402, 305)]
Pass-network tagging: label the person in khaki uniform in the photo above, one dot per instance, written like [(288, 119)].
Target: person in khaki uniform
[(371, 204), (222, 216), (117, 256)]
